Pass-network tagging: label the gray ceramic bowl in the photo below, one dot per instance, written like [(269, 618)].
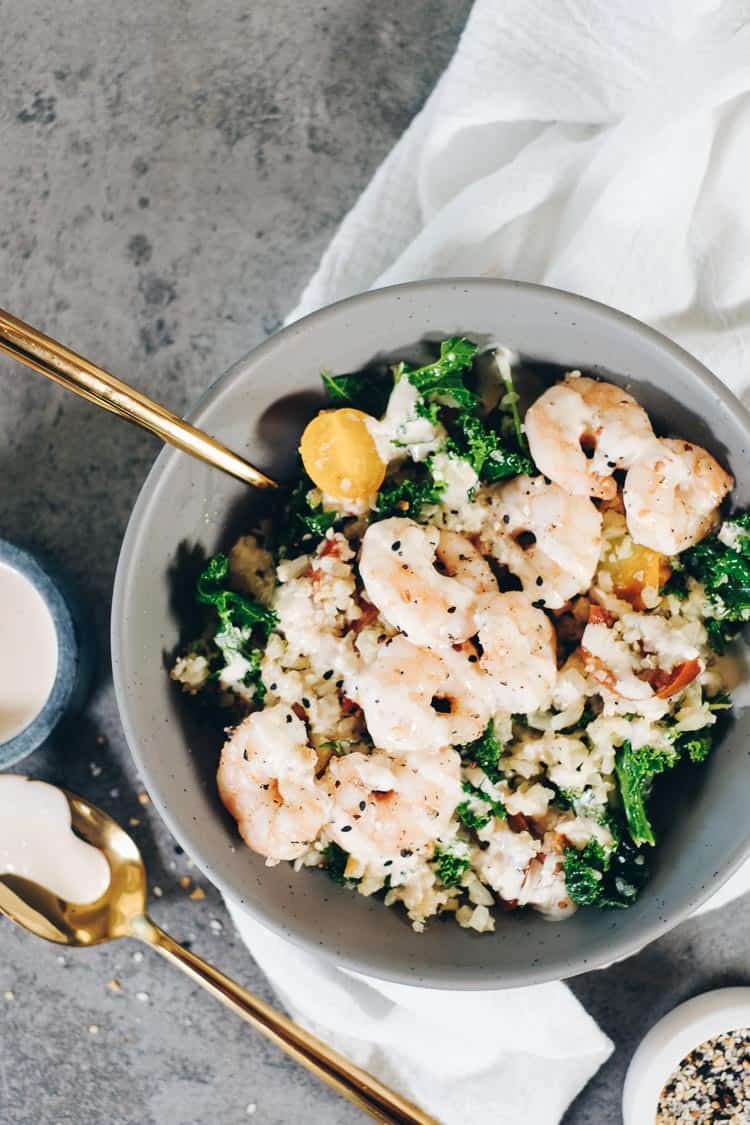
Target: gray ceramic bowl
[(258, 408)]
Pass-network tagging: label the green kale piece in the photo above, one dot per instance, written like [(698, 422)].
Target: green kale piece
[(725, 573), (676, 584), (584, 873), (636, 770), (601, 877), (302, 524), (697, 745), (443, 379), (367, 392), (409, 495), (480, 445), (468, 813), (238, 617), (484, 752), (449, 866), (234, 610), (335, 864)]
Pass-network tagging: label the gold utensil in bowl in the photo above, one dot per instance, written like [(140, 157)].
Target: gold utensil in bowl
[(50, 358), (121, 912)]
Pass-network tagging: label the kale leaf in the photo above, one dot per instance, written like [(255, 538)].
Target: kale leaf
[(409, 495), (480, 445), (449, 866), (234, 610), (484, 752), (468, 813), (724, 571), (367, 392), (443, 379), (636, 770), (611, 877), (302, 524), (335, 861), (697, 745), (238, 617)]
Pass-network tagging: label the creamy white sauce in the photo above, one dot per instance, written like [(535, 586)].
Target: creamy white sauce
[(401, 432), (38, 843), (28, 652)]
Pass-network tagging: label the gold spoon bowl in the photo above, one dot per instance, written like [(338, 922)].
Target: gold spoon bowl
[(121, 912)]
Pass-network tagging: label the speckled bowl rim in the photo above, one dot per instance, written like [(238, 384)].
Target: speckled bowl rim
[(63, 687), (553, 967)]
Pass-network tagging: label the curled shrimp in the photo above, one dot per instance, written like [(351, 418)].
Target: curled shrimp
[(457, 557), (422, 699), (382, 807), (267, 782), (549, 539), (399, 564), (519, 652), (672, 495), (579, 431)]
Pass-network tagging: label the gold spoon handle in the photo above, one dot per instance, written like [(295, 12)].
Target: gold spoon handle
[(50, 358), (343, 1076)]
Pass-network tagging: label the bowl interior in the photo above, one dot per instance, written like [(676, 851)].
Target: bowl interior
[(186, 510)]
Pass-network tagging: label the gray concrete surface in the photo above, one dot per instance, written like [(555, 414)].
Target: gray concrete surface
[(170, 171)]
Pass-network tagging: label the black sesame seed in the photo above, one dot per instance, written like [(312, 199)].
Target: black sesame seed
[(346, 828), (451, 609), (327, 675), (362, 806), (539, 580), (405, 853), (396, 545), (289, 718), (305, 701)]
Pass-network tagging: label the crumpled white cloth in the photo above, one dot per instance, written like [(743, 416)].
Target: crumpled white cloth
[(604, 149)]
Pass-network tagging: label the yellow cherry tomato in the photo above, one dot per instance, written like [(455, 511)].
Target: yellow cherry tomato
[(339, 454), (642, 567)]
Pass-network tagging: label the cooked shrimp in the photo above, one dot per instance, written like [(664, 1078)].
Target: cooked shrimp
[(518, 644), (672, 495), (549, 539), (422, 699), (457, 557), (398, 568), (579, 431), (267, 782), (384, 806)]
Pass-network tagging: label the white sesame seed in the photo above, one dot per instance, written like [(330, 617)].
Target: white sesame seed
[(93, 1029), (142, 996), (138, 957), (216, 925)]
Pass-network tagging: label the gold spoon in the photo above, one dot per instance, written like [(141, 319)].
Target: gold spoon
[(121, 912), (50, 358)]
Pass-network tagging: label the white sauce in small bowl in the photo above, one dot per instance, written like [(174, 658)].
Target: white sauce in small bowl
[(38, 843), (28, 652)]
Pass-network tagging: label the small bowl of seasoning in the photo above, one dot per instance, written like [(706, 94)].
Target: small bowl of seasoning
[(46, 654), (693, 1067)]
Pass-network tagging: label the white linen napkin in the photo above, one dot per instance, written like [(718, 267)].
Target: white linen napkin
[(605, 149)]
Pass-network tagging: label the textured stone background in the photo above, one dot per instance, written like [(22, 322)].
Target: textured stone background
[(170, 172)]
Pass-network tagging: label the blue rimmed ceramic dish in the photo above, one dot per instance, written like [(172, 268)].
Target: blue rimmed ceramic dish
[(74, 652)]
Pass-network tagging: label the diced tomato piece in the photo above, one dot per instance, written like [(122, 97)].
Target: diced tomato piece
[(680, 677)]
